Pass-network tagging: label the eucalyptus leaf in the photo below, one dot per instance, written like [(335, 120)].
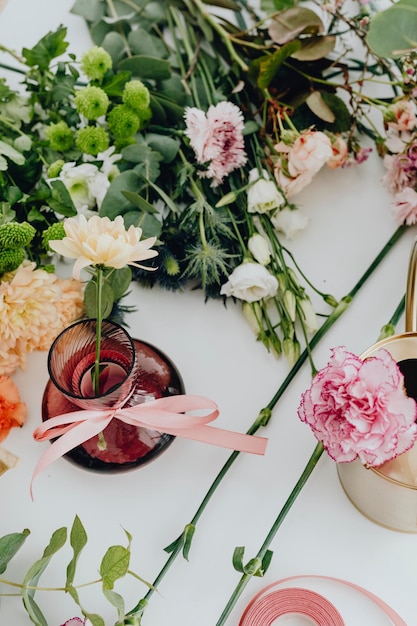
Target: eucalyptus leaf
[(167, 147), (114, 202), (144, 66), (224, 4), (60, 200), (114, 565), (150, 225), (319, 107), (119, 280), (34, 611), (9, 546), (139, 202), (115, 45), (95, 619), (91, 11), (393, 32), (315, 48), (142, 42), (116, 600), (287, 25)]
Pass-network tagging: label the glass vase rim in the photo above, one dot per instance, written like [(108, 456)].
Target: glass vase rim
[(86, 320)]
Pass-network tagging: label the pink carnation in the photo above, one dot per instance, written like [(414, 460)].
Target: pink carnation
[(358, 408), (405, 206), (217, 139)]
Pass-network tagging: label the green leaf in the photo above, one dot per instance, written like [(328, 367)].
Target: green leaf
[(78, 540), (115, 565), (139, 202), (268, 65), (147, 160), (34, 611), (237, 558), (114, 84), (315, 48), (9, 545), (165, 197), (393, 32), (224, 4), (143, 66), (119, 281), (95, 619), (167, 147), (116, 600), (266, 562), (318, 105), (142, 42), (114, 202), (91, 11), (164, 108), (90, 300), (47, 49), (189, 534), (150, 225), (114, 44), (60, 200)]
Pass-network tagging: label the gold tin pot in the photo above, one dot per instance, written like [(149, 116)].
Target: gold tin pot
[(387, 495)]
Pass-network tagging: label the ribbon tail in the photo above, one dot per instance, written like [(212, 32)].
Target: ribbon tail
[(66, 442), (223, 438)]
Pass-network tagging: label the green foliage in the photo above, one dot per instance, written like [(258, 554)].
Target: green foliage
[(393, 32)]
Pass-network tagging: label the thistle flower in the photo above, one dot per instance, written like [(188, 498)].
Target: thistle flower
[(16, 234), (95, 63), (60, 136), (91, 102), (92, 140), (123, 122)]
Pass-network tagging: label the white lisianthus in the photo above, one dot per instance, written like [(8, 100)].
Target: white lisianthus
[(259, 248), (100, 241), (289, 222), (263, 195), (77, 179), (250, 282)]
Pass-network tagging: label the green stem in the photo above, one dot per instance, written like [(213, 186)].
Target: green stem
[(265, 414), (99, 298), (308, 470)]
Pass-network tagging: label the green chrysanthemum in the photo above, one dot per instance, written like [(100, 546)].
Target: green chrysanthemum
[(91, 102), (53, 232), (55, 168), (92, 140), (11, 259), (95, 63), (60, 136), (136, 96), (123, 122), (16, 235)]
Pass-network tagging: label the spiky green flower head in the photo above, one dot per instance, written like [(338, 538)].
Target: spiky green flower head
[(16, 235), (60, 136), (92, 140), (11, 259), (55, 168), (53, 232), (91, 102), (137, 97), (95, 63), (123, 122)]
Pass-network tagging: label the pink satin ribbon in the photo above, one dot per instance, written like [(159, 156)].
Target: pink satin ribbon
[(271, 603), (166, 415)]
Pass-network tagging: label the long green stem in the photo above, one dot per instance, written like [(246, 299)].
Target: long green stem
[(99, 298), (265, 414), (308, 470)]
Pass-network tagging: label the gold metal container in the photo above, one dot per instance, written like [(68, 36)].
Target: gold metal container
[(388, 494)]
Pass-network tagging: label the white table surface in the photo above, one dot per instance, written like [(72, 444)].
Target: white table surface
[(216, 352)]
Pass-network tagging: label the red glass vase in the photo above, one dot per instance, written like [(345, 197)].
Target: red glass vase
[(133, 372)]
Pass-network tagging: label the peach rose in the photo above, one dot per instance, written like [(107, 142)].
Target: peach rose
[(12, 412), (401, 116), (340, 152), (310, 151)]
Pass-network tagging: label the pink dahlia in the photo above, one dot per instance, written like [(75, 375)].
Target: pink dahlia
[(217, 139), (405, 206), (358, 408)]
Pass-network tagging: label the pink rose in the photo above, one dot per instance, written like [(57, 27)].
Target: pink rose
[(340, 152), (309, 153), (401, 115), (358, 408), (291, 186)]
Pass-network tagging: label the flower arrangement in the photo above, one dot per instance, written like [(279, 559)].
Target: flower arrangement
[(202, 130)]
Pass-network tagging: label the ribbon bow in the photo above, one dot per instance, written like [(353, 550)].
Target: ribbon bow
[(166, 415)]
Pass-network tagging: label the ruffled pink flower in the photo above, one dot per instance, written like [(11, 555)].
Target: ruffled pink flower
[(401, 115), (217, 139), (405, 206), (358, 408), (340, 153), (400, 173), (310, 151)]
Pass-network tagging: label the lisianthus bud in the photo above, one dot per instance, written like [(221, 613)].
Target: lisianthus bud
[(227, 199), (249, 311), (309, 315), (259, 248), (386, 331), (290, 303), (291, 349)]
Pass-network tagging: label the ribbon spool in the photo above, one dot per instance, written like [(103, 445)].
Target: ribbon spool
[(274, 602)]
